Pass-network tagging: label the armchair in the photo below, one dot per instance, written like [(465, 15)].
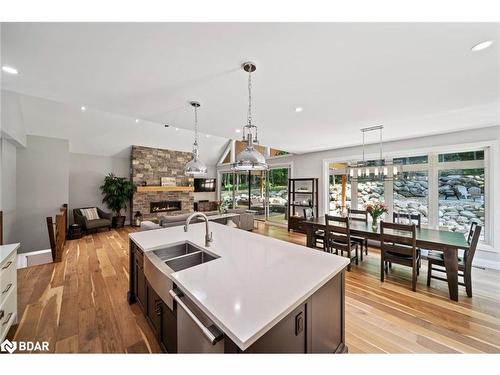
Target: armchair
[(104, 220)]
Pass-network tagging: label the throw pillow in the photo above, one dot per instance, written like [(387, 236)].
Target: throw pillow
[(90, 213)]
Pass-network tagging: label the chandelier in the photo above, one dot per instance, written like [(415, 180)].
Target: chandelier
[(195, 167), (249, 159), (378, 168)]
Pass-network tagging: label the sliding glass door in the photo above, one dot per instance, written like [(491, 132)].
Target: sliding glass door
[(277, 183), (265, 193)]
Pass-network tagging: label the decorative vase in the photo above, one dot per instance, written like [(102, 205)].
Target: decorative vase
[(374, 223)]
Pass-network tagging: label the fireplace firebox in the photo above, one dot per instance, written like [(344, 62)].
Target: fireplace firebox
[(164, 206)]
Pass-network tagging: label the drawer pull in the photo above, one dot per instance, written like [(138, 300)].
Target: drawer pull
[(7, 289), (7, 265), (2, 313), (8, 318)]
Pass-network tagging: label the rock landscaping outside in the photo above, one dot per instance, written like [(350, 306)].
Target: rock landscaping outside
[(461, 197)]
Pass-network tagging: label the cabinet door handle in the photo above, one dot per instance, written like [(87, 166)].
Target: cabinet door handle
[(7, 288), (158, 307), (7, 265), (2, 313), (7, 320)]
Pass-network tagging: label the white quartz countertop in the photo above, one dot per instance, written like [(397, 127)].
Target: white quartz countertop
[(6, 250), (256, 281)]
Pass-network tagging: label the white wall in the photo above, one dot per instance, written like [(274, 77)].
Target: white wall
[(42, 186), (8, 192), (86, 175), (312, 165)]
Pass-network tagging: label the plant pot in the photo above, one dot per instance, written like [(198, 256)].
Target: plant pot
[(118, 221)]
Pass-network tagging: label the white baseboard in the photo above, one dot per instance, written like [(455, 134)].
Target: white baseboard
[(34, 258), (484, 263)]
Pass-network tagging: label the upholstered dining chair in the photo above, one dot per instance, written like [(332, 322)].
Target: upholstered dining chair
[(435, 261), (398, 244)]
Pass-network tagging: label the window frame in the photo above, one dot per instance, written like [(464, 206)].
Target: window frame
[(432, 167)]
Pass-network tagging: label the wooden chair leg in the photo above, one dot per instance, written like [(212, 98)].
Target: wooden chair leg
[(414, 278), (468, 283), (429, 272), (382, 267), (366, 246), (356, 254), (361, 249)]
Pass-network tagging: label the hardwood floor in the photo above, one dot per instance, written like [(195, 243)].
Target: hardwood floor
[(79, 305)]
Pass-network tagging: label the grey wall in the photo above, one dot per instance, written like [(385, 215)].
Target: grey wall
[(42, 186), (8, 188), (86, 174)]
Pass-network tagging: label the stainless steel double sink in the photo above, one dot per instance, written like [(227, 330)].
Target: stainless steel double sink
[(159, 264), (182, 256)]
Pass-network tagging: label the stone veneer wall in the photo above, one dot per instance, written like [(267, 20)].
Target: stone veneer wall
[(150, 165)]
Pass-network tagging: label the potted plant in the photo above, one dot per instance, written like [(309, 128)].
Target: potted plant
[(117, 192), (376, 210)]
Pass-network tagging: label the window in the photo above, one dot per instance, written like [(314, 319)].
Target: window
[(370, 190), (336, 193), (411, 194), (424, 159), (448, 190), (461, 199), (462, 156)]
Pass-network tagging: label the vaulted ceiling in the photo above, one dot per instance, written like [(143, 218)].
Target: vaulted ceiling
[(415, 79)]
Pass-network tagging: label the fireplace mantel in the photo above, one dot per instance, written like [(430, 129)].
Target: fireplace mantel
[(143, 189)]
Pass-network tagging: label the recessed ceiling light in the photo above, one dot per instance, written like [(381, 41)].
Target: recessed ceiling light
[(136, 120), (482, 45), (237, 130), (299, 109), (176, 129), (207, 135), (83, 108), (9, 69)]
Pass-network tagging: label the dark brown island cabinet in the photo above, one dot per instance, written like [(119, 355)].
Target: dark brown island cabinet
[(314, 326)]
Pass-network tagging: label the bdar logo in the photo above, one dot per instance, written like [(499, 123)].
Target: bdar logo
[(8, 346)]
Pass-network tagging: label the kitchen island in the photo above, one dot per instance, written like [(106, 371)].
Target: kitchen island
[(244, 293)]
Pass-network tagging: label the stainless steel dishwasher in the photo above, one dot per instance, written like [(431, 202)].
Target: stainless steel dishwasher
[(196, 333)]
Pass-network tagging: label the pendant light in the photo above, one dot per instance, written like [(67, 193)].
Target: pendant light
[(249, 159), (195, 167), (381, 169)]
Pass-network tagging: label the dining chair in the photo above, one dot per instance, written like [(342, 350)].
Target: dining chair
[(338, 237), (359, 215), (435, 261), (319, 235), (398, 244), (398, 217), (410, 218)]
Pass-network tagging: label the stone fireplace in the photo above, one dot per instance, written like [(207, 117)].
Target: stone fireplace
[(148, 166)]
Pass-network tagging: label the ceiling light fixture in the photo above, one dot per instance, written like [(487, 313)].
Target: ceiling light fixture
[(136, 120), (83, 108), (176, 129), (9, 69), (195, 167), (299, 109), (249, 159), (379, 168), (482, 45)]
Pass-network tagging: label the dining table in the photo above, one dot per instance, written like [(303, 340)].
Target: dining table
[(429, 239)]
